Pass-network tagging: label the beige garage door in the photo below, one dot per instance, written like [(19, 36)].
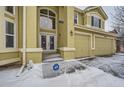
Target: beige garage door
[(103, 46), (82, 45)]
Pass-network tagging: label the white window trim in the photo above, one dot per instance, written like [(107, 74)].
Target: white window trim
[(14, 35), (14, 9), (97, 18)]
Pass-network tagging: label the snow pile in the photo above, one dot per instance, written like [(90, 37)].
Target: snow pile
[(113, 65), (49, 69), (89, 76)]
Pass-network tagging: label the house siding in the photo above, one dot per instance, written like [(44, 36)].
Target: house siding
[(4, 56), (73, 41)]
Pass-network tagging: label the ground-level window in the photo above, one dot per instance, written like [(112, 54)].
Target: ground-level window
[(96, 22), (47, 19), (75, 18), (10, 9), (10, 35)]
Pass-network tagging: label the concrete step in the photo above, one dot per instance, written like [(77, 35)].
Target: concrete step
[(53, 59), (52, 56)]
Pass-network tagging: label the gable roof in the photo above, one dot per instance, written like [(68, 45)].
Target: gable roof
[(90, 8)]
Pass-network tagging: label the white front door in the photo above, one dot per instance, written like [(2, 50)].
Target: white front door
[(48, 42)]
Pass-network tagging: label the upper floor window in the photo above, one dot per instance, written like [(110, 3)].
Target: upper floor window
[(10, 9), (75, 18), (96, 22), (10, 35), (47, 19), (103, 24)]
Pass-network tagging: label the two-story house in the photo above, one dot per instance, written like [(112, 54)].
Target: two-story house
[(33, 32)]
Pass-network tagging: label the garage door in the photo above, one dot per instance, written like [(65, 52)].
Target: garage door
[(103, 46), (82, 45)]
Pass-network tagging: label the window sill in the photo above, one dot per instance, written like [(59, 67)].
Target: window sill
[(46, 29)]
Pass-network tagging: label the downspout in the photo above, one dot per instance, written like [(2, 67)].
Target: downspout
[(24, 35), (24, 43)]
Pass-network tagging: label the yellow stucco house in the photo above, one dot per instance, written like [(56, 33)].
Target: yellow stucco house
[(31, 32)]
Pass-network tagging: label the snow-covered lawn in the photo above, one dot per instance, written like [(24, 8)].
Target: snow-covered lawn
[(113, 65), (91, 76)]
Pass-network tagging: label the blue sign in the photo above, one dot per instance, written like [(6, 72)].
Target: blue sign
[(56, 67)]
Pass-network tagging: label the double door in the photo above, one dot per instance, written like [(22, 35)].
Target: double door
[(48, 42)]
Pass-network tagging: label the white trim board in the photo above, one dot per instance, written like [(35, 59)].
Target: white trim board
[(31, 50), (67, 49)]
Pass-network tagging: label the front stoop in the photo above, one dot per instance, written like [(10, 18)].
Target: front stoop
[(52, 57)]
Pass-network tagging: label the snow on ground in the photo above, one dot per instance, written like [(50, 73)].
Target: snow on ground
[(91, 76), (113, 65)]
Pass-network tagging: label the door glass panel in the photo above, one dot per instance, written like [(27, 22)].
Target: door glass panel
[(51, 42), (43, 42)]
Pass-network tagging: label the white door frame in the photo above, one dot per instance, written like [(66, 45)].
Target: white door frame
[(48, 41)]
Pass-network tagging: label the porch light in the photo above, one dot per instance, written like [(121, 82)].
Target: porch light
[(71, 32)]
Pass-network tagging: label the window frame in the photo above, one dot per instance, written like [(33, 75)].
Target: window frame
[(99, 25), (49, 16), (14, 33)]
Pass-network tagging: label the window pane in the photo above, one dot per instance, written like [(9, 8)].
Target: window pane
[(75, 18), (43, 42), (9, 41), (102, 24), (45, 22), (95, 22), (52, 42), (51, 13), (92, 21), (9, 28), (99, 23), (44, 11), (53, 23), (9, 9)]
